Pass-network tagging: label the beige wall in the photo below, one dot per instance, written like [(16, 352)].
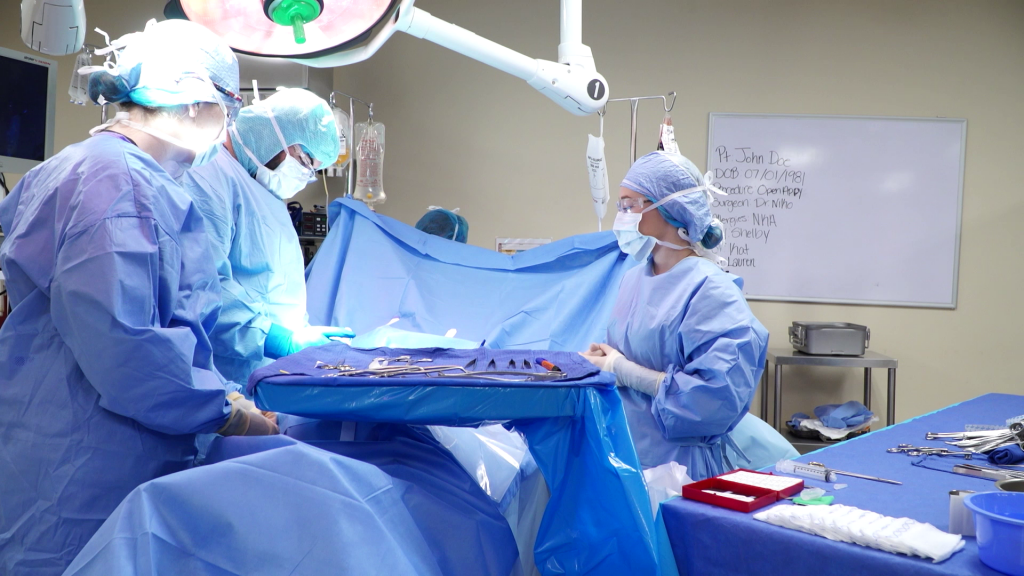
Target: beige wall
[(462, 134)]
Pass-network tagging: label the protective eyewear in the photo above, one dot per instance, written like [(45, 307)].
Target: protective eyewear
[(299, 153), (236, 106), (627, 205), (302, 156)]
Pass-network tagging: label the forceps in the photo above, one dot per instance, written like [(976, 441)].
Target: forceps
[(911, 450)]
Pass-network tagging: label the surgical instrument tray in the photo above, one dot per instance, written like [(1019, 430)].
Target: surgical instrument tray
[(829, 338)]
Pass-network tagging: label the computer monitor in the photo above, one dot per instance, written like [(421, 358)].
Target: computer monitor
[(28, 100)]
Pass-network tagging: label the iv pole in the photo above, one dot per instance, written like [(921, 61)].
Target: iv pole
[(350, 182), (634, 103)]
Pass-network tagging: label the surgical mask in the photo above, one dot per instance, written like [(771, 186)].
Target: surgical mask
[(206, 156), (289, 178), (631, 241), (286, 180)]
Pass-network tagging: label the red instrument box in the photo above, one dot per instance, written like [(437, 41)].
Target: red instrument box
[(763, 495)]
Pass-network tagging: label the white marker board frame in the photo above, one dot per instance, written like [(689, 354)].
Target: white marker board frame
[(950, 266)]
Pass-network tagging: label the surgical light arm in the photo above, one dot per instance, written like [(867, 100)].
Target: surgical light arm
[(573, 82)]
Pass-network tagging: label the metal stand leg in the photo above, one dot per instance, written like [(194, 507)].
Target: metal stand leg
[(867, 388), (890, 415), (778, 397), (764, 392)]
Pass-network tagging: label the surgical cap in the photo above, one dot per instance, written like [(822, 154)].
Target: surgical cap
[(303, 117), (658, 174), (446, 224), (168, 64)]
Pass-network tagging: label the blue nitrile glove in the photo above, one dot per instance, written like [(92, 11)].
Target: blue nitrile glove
[(794, 422), (1007, 455), (281, 341), (841, 416)]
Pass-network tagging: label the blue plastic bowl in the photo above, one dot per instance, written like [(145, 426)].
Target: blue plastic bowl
[(999, 524)]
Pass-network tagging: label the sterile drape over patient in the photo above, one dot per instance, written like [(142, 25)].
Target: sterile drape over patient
[(373, 269)]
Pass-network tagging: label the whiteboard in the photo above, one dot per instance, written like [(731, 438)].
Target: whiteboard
[(845, 209)]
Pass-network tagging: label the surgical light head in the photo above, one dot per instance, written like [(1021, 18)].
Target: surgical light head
[(329, 33), (293, 13)]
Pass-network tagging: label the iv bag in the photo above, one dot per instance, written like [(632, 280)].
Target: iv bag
[(79, 89), (667, 136), (369, 156), (344, 153), (598, 170)]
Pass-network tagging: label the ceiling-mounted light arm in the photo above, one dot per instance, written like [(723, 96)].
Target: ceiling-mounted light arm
[(573, 83), (572, 50)]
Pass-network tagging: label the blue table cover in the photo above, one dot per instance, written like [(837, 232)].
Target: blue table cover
[(711, 540), (598, 519)]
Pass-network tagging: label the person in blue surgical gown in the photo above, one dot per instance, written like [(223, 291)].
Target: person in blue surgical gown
[(271, 153), (686, 350), (106, 372)]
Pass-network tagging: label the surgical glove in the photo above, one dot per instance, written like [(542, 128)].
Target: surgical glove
[(602, 356), (282, 342), (243, 422), (635, 376), (847, 415), (250, 406)]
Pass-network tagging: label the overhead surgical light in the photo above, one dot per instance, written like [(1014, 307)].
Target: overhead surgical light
[(328, 33), (54, 27)]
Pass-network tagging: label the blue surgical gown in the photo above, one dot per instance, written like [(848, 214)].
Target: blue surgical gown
[(693, 324), (106, 372), (258, 259)]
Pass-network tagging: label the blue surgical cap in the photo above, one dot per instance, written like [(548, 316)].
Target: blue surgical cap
[(303, 117), (168, 64), (446, 224), (658, 174)]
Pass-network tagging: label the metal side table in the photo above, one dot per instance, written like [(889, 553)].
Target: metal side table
[(782, 357)]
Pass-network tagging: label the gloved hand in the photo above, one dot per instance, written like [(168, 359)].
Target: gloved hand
[(250, 406), (629, 374), (243, 422), (603, 356), (281, 341)]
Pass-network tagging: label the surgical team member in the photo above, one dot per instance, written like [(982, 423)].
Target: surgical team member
[(270, 155), (106, 374), (685, 348), (448, 224)]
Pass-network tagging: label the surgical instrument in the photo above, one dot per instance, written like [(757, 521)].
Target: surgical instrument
[(445, 372), (853, 475), (805, 470), (911, 450), (984, 472), (551, 367), (963, 435), (982, 441)]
